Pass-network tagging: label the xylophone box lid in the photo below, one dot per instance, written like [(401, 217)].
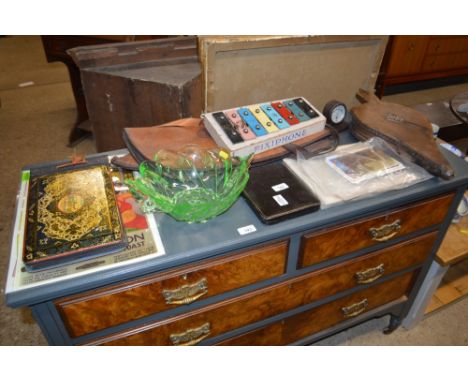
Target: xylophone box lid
[(242, 70)]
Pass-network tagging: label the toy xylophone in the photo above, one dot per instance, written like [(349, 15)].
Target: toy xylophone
[(260, 127)]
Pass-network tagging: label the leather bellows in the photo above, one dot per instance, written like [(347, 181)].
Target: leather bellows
[(406, 129)]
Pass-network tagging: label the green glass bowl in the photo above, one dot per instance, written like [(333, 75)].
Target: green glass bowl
[(192, 184)]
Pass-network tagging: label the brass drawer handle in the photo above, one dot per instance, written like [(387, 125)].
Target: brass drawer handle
[(186, 293), (369, 275), (191, 336), (386, 231), (355, 309)]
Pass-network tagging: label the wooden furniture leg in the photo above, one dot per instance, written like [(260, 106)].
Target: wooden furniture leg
[(393, 325), (82, 126)]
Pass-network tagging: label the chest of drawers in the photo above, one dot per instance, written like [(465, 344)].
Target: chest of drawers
[(290, 283), (418, 58)]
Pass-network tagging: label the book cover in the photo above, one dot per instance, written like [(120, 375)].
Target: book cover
[(71, 215), (142, 238), (276, 194)]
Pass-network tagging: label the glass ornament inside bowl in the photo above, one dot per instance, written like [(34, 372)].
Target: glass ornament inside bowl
[(191, 184)]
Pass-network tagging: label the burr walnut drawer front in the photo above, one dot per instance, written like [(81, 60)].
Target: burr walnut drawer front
[(228, 315), (325, 316), (88, 312), (337, 241), (271, 335)]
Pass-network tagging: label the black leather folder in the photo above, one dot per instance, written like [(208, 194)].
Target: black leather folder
[(276, 194)]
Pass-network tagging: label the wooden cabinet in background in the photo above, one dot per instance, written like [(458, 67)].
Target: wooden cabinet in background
[(417, 58), (138, 84), (407, 55)]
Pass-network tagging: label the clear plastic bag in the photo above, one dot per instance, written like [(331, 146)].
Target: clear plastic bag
[(356, 171)]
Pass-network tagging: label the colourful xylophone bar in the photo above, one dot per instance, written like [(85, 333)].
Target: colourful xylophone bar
[(255, 128)]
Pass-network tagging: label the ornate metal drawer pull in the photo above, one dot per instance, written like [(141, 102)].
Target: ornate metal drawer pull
[(386, 231), (186, 293), (355, 309), (191, 336), (369, 275)]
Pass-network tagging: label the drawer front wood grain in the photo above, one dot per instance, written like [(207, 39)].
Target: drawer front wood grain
[(407, 55), (273, 300), (326, 316), (312, 321), (366, 269), (445, 62), (333, 242), (447, 44), (216, 319), (268, 336), (88, 312)]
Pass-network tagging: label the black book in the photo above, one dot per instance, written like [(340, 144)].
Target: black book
[(276, 194)]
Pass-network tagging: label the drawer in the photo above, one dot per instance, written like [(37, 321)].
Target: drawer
[(445, 62), (406, 56), (337, 241), (88, 312), (261, 304), (326, 316), (268, 336), (315, 320), (444, 45)]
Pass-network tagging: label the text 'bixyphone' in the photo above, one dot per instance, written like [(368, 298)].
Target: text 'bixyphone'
[(256, 128)]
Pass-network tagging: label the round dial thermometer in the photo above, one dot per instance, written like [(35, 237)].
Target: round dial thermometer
[(336, 114)]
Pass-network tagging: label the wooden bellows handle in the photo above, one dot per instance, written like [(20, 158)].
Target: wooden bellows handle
[(365, 96)]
